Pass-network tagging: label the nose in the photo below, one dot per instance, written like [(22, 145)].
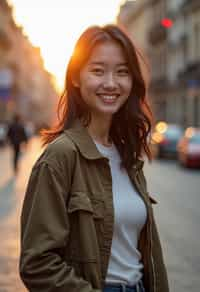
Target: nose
[(110, 82)]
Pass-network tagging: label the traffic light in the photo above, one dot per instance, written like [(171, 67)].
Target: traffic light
[(166, 22)]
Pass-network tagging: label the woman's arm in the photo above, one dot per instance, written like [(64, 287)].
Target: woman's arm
[(44, 235)]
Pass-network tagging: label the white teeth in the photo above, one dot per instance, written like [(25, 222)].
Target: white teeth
[(109, 97)]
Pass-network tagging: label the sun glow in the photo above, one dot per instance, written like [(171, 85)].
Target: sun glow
[(54, 26)]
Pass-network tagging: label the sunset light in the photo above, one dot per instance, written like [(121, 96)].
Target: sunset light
[(54, 26)]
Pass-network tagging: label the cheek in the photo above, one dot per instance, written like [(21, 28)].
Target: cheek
[(88, 84), (127, 85)]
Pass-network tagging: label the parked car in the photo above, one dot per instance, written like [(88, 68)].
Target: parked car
[(3, 133), (165, 138), (188, 148)]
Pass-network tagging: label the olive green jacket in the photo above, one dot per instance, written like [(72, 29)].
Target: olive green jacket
[(67, 220)]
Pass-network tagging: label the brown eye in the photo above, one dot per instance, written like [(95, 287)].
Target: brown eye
[(123, 72), (97, 71)]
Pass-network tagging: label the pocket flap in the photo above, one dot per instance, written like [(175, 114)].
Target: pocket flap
[(79, 201), (98, 207)]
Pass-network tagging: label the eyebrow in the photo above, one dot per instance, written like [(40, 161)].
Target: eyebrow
[(102, 63)]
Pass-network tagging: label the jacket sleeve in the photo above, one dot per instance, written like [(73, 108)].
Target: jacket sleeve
[(44, 235), (160, 268)]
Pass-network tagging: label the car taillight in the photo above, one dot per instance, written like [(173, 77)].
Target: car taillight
[(164, 142)]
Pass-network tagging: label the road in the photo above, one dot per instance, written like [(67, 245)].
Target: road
[(177, 214), (11, 197), (177, 191)]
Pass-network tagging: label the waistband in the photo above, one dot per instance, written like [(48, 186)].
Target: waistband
[(119, 287)]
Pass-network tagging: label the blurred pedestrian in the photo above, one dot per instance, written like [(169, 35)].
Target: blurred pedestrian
[(17, 136), (87, 220)]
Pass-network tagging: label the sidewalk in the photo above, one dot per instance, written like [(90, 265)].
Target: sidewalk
[(12, 191)]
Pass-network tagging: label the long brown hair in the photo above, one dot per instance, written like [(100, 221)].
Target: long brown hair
[(131, 125)]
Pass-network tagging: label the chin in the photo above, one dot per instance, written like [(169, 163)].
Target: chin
[(107, 113), (109, 110)]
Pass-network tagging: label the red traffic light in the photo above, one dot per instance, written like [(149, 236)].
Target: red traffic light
[(166, 22)]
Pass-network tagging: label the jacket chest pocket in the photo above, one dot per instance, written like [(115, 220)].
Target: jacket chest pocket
[(86, 219)]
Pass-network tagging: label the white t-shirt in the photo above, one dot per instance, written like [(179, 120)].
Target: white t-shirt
[(130, 215)]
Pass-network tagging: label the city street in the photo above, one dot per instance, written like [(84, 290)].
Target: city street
[(177, 191), (11, 197)]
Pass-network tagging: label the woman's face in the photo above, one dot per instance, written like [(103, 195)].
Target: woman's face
[(105, 80)]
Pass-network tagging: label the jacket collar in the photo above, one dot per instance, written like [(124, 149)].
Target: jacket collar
[(81, 138)]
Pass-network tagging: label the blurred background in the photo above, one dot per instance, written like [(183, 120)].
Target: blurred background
[(36, 41)]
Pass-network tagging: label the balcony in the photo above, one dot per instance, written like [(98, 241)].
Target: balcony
[(190, 5), (157, 33), (180, 41), (192, 71), (152, 2)]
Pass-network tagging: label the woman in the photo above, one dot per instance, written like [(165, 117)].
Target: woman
[(87, 219)]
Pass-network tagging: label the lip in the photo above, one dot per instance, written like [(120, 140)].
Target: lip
[(108, 94)]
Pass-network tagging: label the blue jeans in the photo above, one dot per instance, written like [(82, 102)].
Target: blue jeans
[(123, 288)]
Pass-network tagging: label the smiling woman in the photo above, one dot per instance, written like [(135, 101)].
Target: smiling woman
[(54, 26), (87, 220)]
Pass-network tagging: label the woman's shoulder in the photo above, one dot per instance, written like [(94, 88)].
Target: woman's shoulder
[(60, 152), (61, 145)]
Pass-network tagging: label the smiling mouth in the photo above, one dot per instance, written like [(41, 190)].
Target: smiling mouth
[(108, 98)]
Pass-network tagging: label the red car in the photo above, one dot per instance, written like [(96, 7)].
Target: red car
[(189, 148)]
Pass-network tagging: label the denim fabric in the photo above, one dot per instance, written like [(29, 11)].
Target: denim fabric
[(123, 288)]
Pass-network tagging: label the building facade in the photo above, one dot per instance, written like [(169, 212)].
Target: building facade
[(131, 16), (191, 71), (173, 53), (25, 87)]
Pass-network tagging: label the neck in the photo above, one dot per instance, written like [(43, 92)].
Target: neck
[(99, 130)]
